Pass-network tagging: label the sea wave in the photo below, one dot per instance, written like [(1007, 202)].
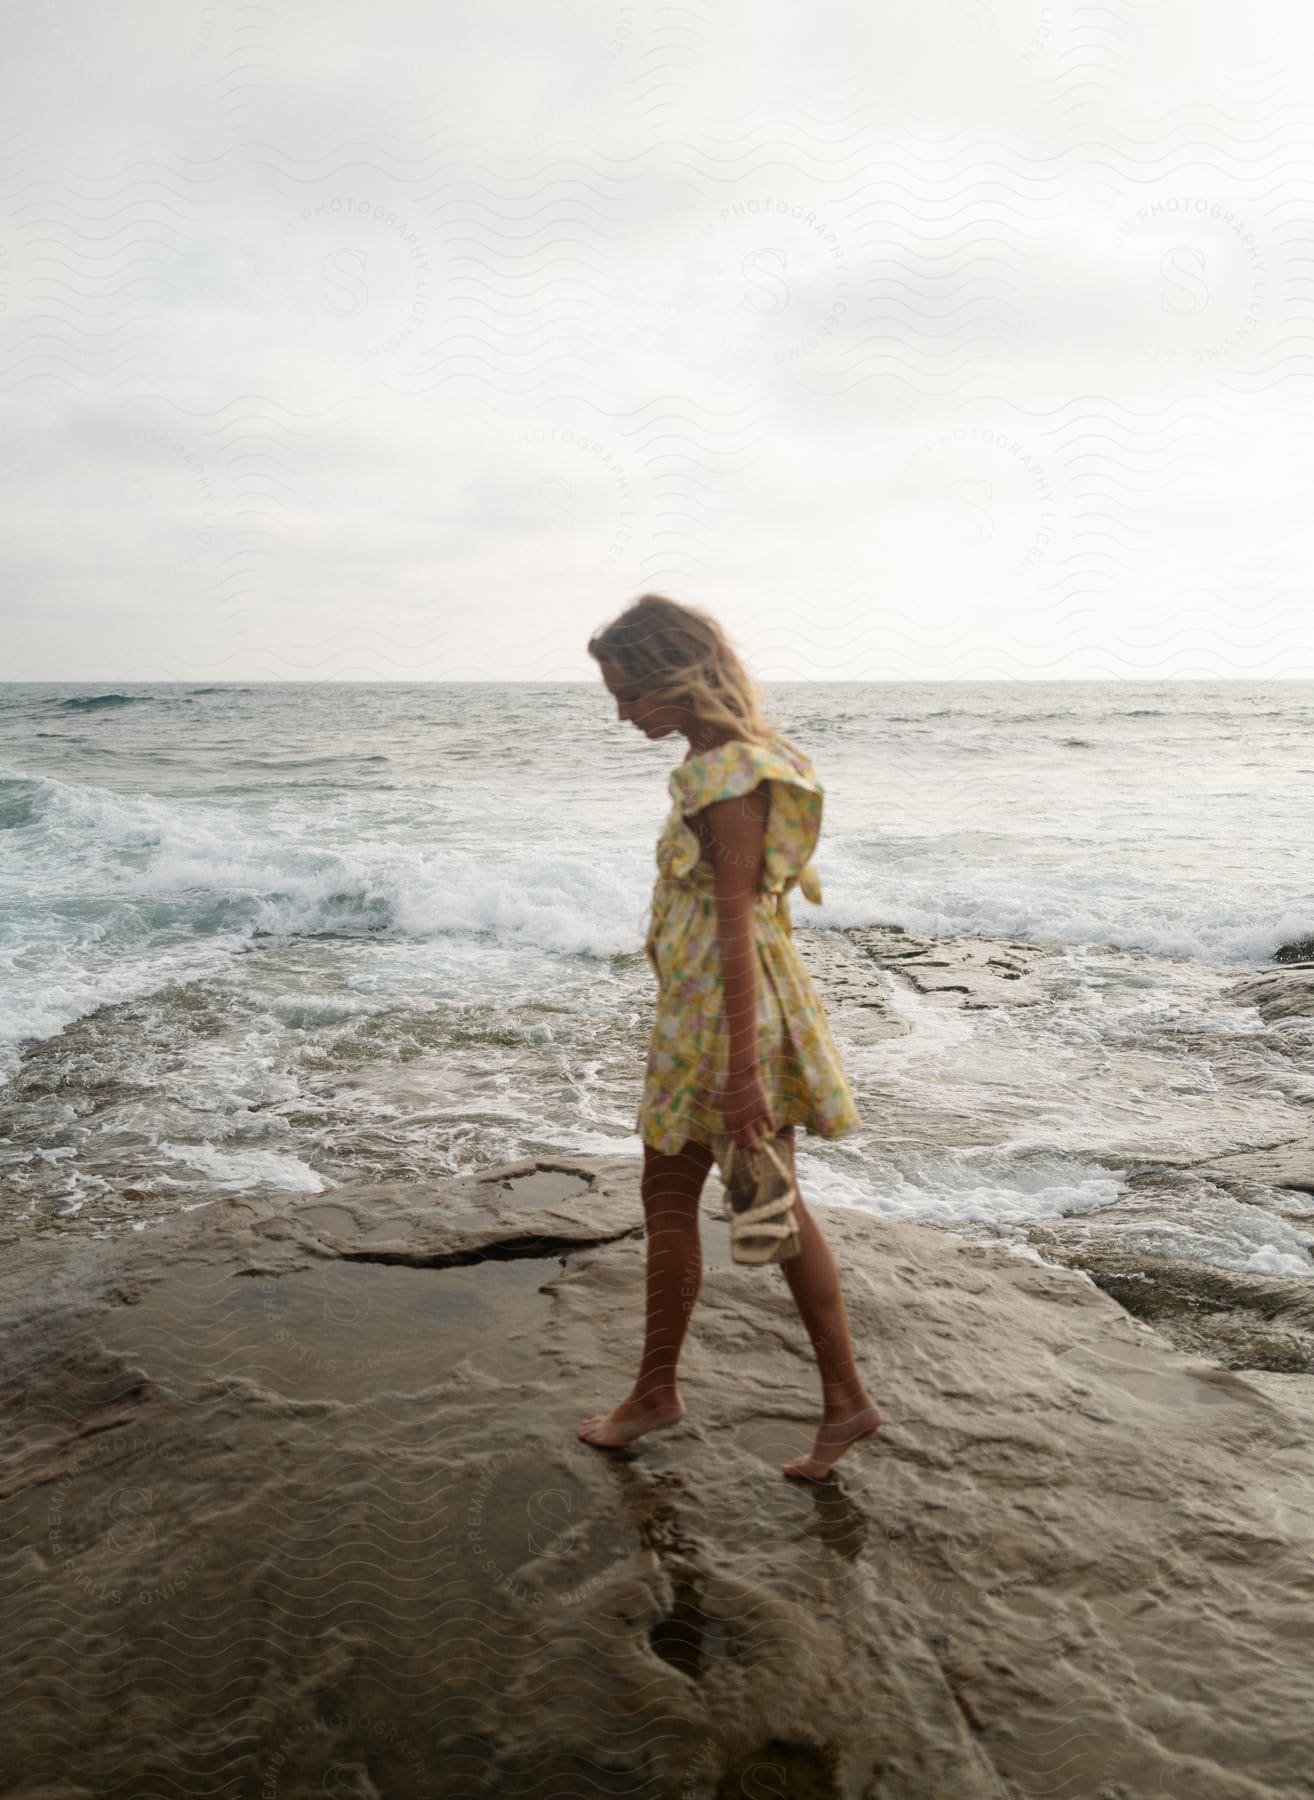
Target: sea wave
[(1048, 906), (140, 863), (211, 870), (100, 702), (18, 796)]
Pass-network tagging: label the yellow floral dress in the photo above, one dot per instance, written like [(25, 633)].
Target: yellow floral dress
[(688, 1053)]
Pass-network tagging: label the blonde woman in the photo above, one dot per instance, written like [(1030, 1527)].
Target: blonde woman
[(740, 1044)]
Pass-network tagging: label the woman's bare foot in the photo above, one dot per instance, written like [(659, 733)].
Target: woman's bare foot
[(834, 1435), (630, 1420)]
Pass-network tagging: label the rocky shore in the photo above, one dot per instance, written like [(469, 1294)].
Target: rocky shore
[(294, 1503), (1256, 1321)]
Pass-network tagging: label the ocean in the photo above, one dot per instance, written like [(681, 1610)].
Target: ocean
[(276, 938)]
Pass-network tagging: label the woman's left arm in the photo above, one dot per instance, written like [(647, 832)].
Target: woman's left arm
[(737, 829)]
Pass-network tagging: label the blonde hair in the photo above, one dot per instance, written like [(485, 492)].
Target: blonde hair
[(680, 653)]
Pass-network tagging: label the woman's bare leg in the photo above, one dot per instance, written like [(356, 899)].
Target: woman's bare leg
[(848, 1410), (672, 1186)]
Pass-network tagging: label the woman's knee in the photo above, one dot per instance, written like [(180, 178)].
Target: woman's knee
[(672, 1185)]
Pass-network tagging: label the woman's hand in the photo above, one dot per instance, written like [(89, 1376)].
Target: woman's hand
[(746, 1109)]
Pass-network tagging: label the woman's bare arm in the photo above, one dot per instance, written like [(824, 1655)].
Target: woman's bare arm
[(737, 830)]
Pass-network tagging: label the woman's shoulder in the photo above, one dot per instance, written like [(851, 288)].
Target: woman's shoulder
[(740, 763), (786, 747)]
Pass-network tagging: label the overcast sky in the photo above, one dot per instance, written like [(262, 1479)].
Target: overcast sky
[(914, 338)]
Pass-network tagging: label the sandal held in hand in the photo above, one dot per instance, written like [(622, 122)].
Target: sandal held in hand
[(758, 1199)]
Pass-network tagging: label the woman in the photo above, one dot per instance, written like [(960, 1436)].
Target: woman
[(740, 1044)]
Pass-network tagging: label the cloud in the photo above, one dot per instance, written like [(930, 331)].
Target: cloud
[(969, 339)]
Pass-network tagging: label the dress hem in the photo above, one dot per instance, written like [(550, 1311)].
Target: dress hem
[(694, 1137)]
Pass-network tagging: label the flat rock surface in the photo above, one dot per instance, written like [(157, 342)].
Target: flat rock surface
[(1278, 993), (1203, 1128), (963, 971), (294, 1504)]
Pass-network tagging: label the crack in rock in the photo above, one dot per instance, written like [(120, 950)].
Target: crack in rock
[(496, 1250)]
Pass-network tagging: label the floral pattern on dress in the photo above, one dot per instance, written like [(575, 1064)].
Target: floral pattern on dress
[(688, 1054)]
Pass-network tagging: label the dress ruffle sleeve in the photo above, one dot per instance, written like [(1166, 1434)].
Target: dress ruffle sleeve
[(793, 824)]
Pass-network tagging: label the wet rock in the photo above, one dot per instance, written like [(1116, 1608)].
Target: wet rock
[(293, 1502), (855, 992), (963, 971), (1277, 993), (1241, 1321), (1289, 1165), (1299, 950)]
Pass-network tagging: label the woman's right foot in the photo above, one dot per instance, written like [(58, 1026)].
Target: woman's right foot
[(631, 1419)]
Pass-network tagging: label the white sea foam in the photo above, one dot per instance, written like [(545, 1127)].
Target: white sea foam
[(404, 926), (236, 1168), (961, 1188)]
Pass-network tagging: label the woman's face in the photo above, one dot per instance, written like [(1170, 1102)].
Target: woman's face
[(654, 718)]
